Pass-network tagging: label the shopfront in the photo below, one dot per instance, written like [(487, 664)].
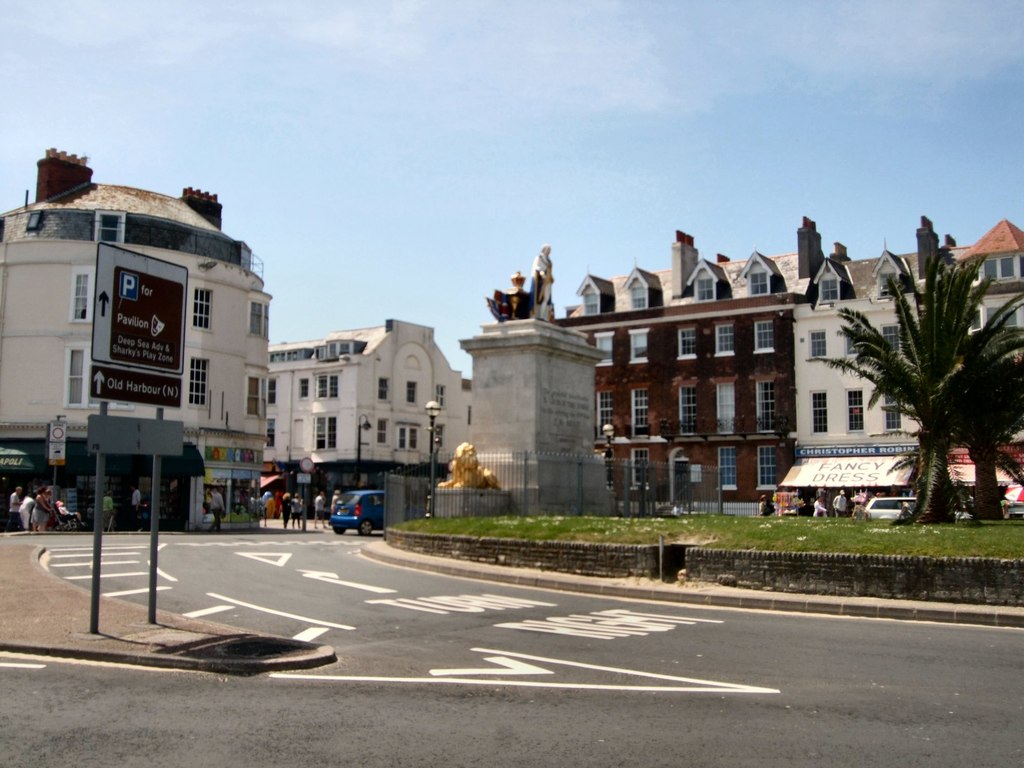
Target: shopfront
[(873, 469), (235, 472), (24, 463)]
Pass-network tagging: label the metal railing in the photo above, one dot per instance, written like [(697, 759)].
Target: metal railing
[(558, 484)]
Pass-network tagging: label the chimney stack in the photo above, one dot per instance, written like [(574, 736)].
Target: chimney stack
[(927, 245), (204, 204), (60, 172), (684, 261), (808, 246), (839, 252)]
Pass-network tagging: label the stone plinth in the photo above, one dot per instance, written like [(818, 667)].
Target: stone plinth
[(533, 388), (471, 502)]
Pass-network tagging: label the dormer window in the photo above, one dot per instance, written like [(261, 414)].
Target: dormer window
[(828, 289), (704, 288), (638, 295), (109, 227), (758, 282), (591, 303), (883, 283)]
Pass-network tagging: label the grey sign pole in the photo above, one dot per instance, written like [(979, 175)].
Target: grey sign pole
[(97, 536), (154, 526)]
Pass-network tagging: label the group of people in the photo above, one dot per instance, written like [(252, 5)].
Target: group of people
[(841, 505), (291, 508), (33, 512)]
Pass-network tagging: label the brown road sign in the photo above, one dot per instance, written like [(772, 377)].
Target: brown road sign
[(139, 315), (126, 385)]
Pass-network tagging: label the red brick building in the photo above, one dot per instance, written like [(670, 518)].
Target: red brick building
[(700, 363)]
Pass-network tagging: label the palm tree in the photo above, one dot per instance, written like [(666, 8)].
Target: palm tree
[(991, 411), (938, 366)]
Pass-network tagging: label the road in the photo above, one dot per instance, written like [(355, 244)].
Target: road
[(439, 671)]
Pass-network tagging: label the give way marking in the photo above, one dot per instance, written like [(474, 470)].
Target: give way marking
[(509, 664)]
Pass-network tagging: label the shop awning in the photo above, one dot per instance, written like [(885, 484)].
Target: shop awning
[(15, 457), (847, 472), (270, 480), (189, 463)]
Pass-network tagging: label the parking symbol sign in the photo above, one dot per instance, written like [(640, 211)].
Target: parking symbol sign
[(129, 287)]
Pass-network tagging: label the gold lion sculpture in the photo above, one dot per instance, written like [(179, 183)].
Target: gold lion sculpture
[(467, 472)]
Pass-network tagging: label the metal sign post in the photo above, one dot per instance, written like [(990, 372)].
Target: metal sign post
[(138, 336)]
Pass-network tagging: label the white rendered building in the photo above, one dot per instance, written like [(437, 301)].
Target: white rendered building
[(354, 405), (48, 252)]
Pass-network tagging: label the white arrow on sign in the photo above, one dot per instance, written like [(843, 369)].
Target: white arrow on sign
[(508, 667)]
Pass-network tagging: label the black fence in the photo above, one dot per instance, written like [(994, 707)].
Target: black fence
[(558, 484)]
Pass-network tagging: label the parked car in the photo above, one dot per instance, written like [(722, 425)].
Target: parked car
[(359, 510), (889, 507)]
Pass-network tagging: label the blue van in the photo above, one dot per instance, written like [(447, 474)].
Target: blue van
[(359, 510)]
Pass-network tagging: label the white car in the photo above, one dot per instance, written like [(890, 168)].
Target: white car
[(889, 507)]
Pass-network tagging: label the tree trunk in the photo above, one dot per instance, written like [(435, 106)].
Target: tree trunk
[(935, 489), (986, 487)]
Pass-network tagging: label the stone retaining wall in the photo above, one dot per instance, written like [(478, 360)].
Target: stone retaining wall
[(974, 580), (607, 560)]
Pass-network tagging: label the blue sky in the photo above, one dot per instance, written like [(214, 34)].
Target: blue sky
[(401, 159)]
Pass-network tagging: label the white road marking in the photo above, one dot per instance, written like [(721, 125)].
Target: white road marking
[(306, 619), (271, 558), (688, 684), (88, 564), (165, 575), (332, 578), (606, 625), (21, 665), (108, 575), (208, 611), (445, 604), (310, 634), (127, 592), (508, 666)]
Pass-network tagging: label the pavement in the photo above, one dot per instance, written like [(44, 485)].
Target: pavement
[(44, 615)]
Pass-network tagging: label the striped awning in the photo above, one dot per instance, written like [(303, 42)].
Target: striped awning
[(847, 472)]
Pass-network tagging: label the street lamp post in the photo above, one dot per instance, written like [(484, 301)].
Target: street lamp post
[(433, 408), (362, 423)]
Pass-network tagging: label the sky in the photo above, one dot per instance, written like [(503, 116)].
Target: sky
[(401, 158)]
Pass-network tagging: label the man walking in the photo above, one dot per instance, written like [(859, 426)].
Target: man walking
[(839, 503), (216, 507), (14, 512), (319, 507)]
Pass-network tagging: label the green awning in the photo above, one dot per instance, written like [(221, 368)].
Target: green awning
[(23, 457), (189, 463)]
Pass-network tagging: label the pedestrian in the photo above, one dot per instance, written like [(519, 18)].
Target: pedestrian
[(266, 499), (286, 508), (109, 517), (216, 507), (14, 512), (270, 509), (820, 510), (765, 508), (28, 503), (319, 507), (42, 511), (839, 503), (137, 505), (298, 510)]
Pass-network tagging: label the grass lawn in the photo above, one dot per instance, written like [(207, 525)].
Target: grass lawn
[(1000, 539)]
